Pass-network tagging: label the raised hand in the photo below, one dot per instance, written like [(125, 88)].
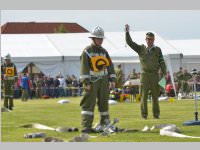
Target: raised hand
[(127, 28)]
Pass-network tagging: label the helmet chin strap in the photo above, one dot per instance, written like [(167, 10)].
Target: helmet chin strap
[(94, 42)]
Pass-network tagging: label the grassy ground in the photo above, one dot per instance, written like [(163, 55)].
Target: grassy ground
[(49, 112)]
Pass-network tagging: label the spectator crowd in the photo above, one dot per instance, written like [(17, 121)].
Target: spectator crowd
[(46, 86), (38, 86)]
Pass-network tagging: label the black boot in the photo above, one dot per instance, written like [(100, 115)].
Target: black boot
[(11, 108), (88, 131)]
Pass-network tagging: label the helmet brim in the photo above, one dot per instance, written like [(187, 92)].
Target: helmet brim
[(102, 37)]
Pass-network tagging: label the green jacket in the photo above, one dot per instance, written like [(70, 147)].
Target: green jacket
[(150, 62), (86, 69), (3, 70), (119, 75), (184, 77), (8, 81), (133, 76), (38, 84)]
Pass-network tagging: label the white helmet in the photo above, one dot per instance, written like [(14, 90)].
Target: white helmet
[(7, 57), (97, 32)]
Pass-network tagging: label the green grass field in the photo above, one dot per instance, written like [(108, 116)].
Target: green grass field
[(49, 112)]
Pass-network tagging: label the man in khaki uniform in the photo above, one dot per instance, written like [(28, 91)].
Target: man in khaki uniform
[(151, 60), (9, 73), (133, 75), (119, 75), (96, 72), (180, 72), (183, 79), (39, 87), (178, 77)]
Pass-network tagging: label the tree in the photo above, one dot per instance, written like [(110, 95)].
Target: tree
[(60, 29)]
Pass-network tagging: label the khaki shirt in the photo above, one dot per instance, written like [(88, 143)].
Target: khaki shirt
[(86, 70), (151, 61)]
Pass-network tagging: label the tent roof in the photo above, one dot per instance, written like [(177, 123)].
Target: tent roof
[(39, 27), (187, 47), (72, 44), (27, 45)]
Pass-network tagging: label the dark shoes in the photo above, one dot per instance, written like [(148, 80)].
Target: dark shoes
[(10, 108), (156, 117), (88, 131), (145, 118)]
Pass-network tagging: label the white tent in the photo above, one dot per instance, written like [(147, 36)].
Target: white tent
[(53, 53), (191, 52), (26, 48)]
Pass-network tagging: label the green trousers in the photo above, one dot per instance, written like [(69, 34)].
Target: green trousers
[(99, 91), (8, 90), (38, 93), (149, 81), (8, 102), (24, 94)]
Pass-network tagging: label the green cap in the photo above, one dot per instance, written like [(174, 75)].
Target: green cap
[(149, 35), (7, 57)]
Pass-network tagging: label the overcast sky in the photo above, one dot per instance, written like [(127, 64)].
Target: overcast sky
[(169, 24)]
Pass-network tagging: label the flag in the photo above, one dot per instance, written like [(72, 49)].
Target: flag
[(162, 82)]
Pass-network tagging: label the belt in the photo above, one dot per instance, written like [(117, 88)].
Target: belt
[(9, 78), (100, 73), (149, 72)]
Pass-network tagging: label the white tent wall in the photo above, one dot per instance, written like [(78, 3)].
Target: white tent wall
[(72, 68), (48, 65), (190, 48), (128, 68), (20, 66), (173, 61), (50, 68), (27, 48), (128, 64), (53, 53), (190, 62)]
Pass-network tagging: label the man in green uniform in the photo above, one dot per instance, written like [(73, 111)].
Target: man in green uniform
[(135, 89), (178, 78), (9, 72), (151, 60), (38, 87), (180, 72), (133, 75), (119, 75), (96, 72), (183, 80)]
